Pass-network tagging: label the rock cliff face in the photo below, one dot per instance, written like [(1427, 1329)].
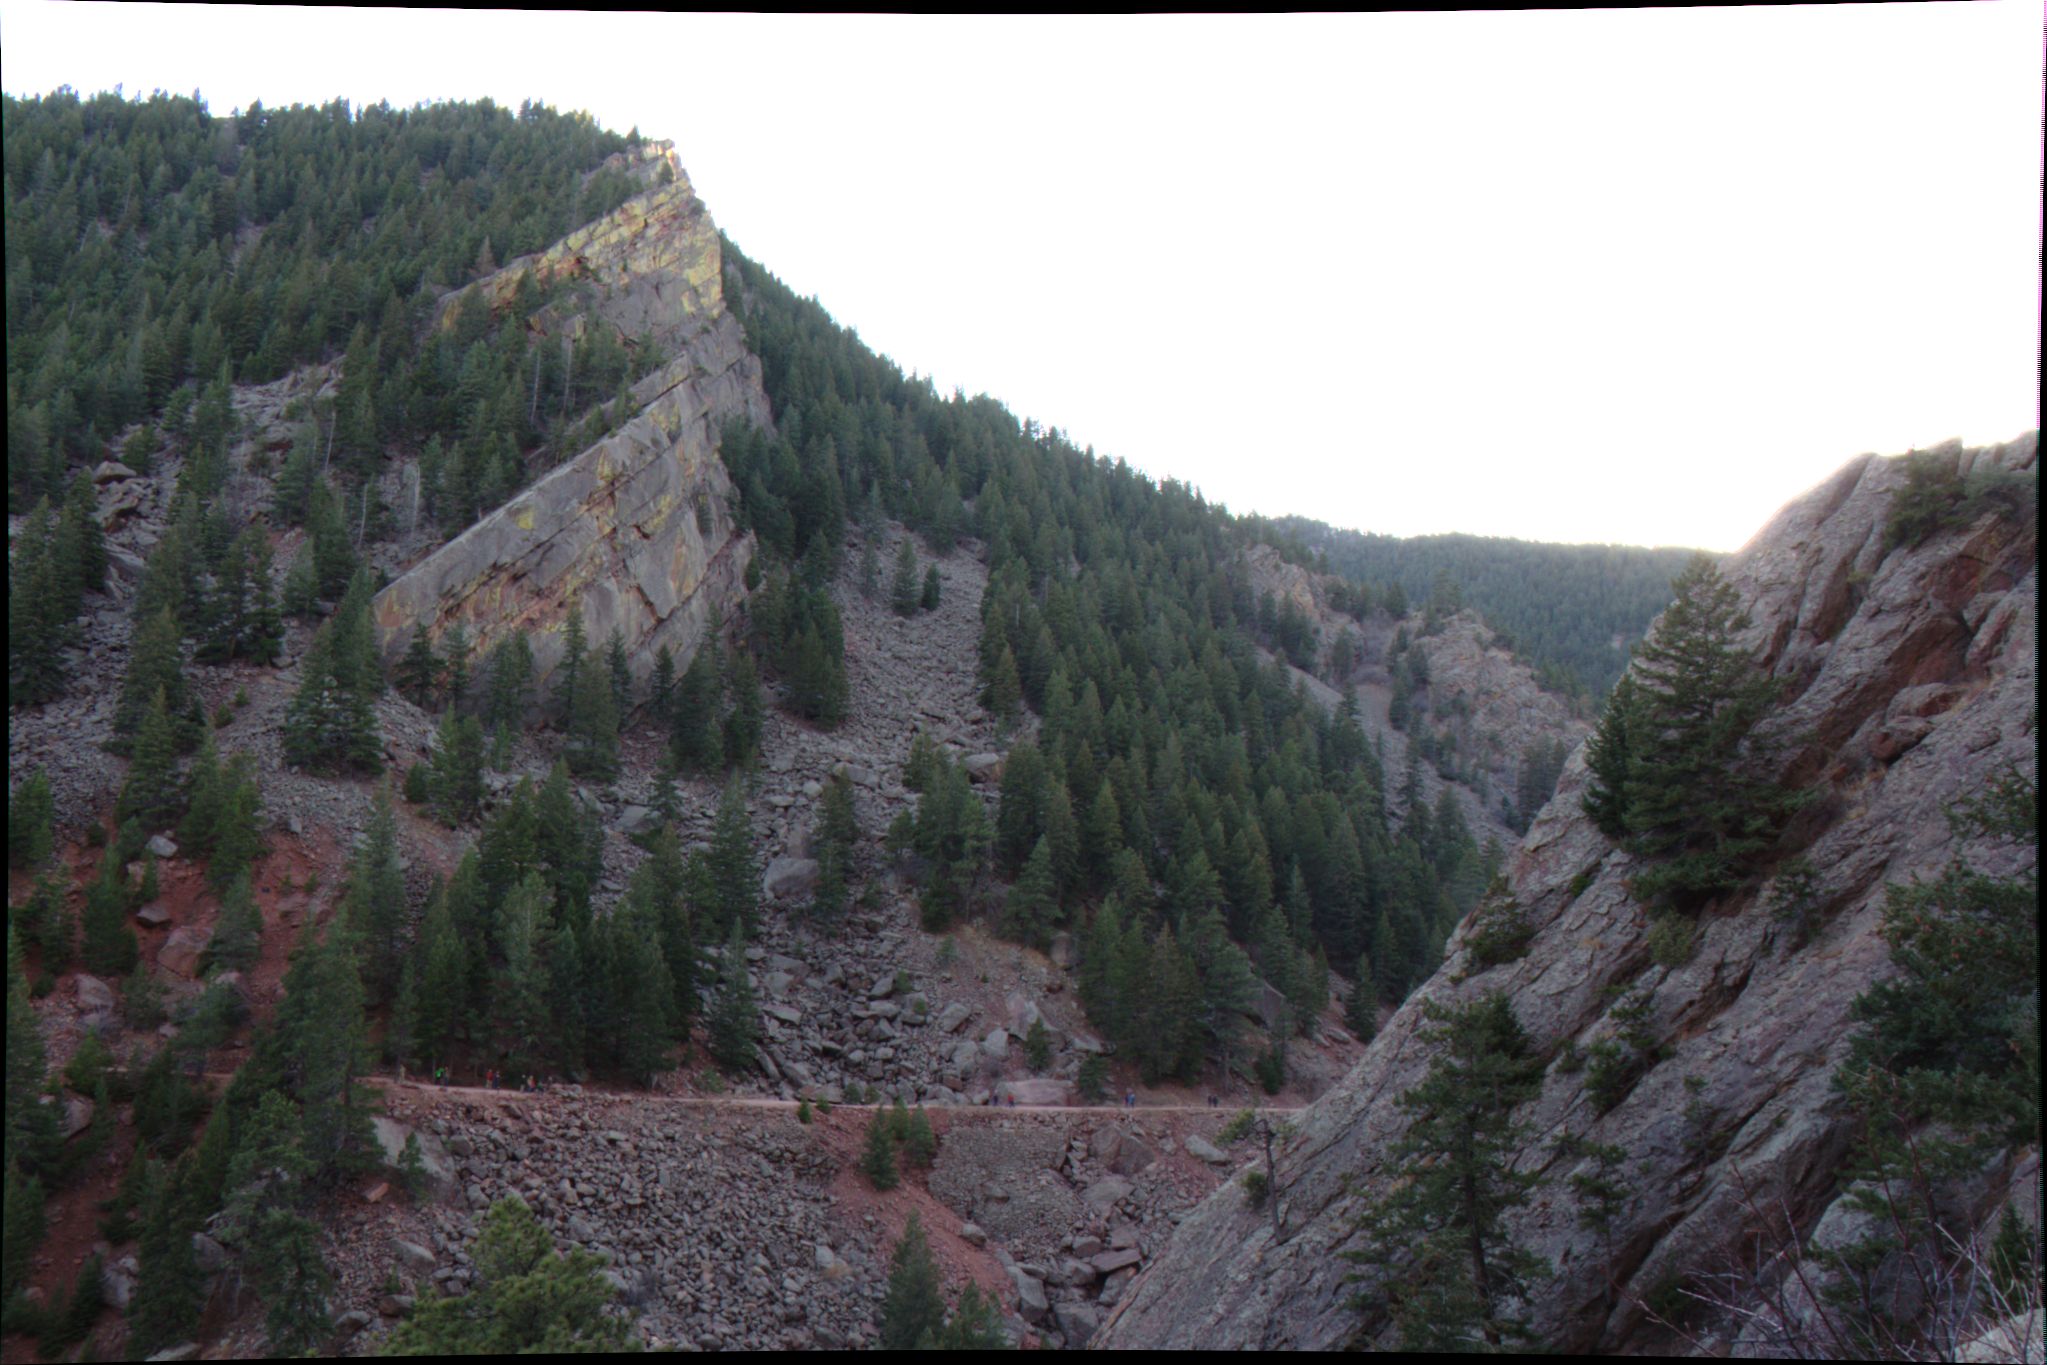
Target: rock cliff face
[(1478, 692), (1910, 678), (638, 526)]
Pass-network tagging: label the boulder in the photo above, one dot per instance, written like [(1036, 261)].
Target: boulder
[(78, 1112), (789, 878), (153, 915), (1022, 1012), (416, 1260), (1077, 1322), (1030, 1295), (111, 471), (953, 1017), (440, 1167), (1105, 1194), (1038, 1090), (983, 767), (1064, 955), (1109, 1262), (95, 997), (161, 846), (996, 1045), (1201, 1148), (1132, 1156), (182, 950)]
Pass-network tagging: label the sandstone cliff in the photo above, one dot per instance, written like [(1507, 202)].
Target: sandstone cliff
[(638, 527), (1910, 677)]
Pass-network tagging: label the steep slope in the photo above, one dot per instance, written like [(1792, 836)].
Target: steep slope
[(1480, 697), (1910, 676), (639, 526)]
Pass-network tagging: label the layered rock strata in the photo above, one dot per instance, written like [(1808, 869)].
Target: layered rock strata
[(1909, 677), (638, 528)]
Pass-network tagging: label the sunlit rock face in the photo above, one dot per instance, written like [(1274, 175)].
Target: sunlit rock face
[(638, 527), (1909, 682)]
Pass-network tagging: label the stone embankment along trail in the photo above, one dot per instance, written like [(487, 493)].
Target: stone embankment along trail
[(762, 1102)]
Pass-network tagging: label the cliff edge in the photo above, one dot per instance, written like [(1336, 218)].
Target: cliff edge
[(639, 526), (1909, 678)]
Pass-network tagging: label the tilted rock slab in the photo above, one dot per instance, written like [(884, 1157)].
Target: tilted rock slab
[(638, 528), (1941, 636)]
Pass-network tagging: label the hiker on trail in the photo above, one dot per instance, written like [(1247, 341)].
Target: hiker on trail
[(1130, 1099)]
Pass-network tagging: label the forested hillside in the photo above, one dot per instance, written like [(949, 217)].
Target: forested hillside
[(157, 254), (1175, 798), (250, 837), (1572, 610)]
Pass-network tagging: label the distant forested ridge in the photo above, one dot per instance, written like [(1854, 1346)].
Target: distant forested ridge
[(1571, 610)]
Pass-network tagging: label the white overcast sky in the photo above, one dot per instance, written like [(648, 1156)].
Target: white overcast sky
[(1637, 276)]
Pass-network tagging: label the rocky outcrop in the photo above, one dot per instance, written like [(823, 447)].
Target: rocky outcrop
[(1488, 700), (1909, 679), (638, 528), (1482, 702)]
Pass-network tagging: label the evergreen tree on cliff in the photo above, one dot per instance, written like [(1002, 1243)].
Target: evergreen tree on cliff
[(1676, 756), (1447, 1275)]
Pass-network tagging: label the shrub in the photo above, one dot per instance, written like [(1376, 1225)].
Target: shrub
[(1256, 1187), (1673, 940), (1500, 935), (803, 1111)]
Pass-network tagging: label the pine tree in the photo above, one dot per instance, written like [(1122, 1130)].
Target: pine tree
[(526, 1300), (31, 1133), (878, 1158), (443, 981), (456, 662), (419, 669), (870, 569), (1037, 1047), (455, 775), (38, 625), (734, 872), (695, 735), (920, 1144), (904, 595), (329, 725), (662, 692), (734, 1021), (31, 837), (152, 793), (1361, 1009), (375, 907), (1450, 1274), (913, 1313), (169, 1291), (155, 663), (1033, 903), (575, 652), (1688, 748), (619, 671), (237, 937), (511, 673), (592, 747), (929, 598), (743, 723), (108, 945), (837, 829)]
